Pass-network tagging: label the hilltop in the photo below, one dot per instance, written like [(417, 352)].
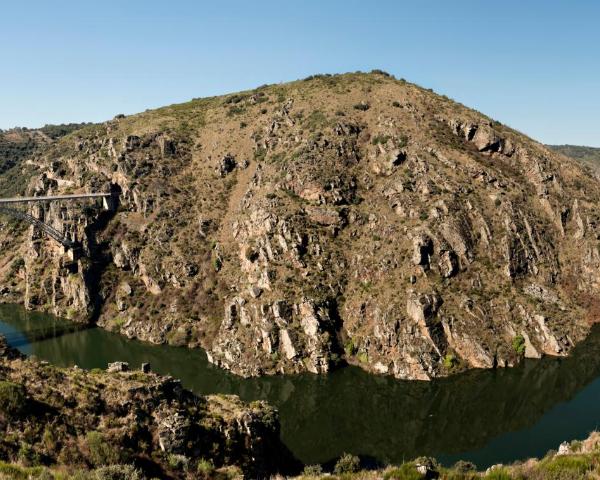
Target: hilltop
[(349, 218)]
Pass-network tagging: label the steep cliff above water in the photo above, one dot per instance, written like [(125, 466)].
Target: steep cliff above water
[(286, 229)]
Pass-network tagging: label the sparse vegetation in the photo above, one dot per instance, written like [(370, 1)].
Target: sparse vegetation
[(12, 398), (519, 344), (347, 464)]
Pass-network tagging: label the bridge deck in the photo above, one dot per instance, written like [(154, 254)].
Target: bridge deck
[(53, 198)]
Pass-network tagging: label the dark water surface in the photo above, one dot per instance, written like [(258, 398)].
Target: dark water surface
[(483, 416)]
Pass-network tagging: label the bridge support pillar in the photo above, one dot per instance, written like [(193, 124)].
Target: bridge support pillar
[(109, 203)]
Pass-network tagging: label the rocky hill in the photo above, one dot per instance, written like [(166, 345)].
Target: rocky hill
[(589, 156), (350, 218)]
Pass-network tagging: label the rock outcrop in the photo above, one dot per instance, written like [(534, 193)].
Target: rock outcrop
[(79, 418)]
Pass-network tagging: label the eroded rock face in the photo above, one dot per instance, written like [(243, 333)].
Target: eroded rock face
[(414, 238)]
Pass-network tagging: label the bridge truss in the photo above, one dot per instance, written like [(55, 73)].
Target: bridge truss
[(6, 207)]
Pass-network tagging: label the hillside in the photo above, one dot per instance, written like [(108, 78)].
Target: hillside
[(350, 218), (589, 156), (85, 419), (17, 144)]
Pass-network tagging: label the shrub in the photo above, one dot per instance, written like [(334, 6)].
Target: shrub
[(565, 466), (347, 464), (377, 139), (363, 106), (12, 398), (178, 462), (395, 104), (312, 470), (205, 468), (349, 348), (381, 72), (406, 471), (17, 265), (463, 466), (28, 456), (100, 451), (449, 362), (217, 263), (235, 110), (519, 344), (498, 473), (14, 472), (116, 472)]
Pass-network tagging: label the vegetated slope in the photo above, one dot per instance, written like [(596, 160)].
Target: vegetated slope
[(17, 144), (352, 218), (76, 418), (589, 156)]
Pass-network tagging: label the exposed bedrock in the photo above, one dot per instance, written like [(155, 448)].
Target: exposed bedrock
[(294, 228)]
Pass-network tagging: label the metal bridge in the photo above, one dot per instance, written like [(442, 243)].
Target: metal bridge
[(6, 206)]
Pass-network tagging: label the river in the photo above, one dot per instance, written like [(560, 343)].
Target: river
[(483, 416)]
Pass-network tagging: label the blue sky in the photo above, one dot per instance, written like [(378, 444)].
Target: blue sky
[(534, 65)]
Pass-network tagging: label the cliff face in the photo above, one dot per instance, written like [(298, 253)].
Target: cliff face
[(286, 229)]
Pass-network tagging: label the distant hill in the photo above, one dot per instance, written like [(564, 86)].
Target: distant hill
[(589, 156), (17, 144)]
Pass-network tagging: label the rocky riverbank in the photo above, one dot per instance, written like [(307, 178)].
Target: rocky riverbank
[(80, 419)]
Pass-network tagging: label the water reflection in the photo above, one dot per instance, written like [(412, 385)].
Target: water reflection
[(485, 416)]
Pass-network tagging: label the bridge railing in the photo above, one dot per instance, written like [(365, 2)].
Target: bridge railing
[(53, 198)]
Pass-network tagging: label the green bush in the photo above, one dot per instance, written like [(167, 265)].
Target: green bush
[(349, 348), (100, 451), (205, 468), (312, 470), (450, 361), (178, 462), (519, 344), (406, 471), (15, 472), (463, 466), (347, 464), (28, 456), (565, 467), (12, 398), (498, 473), (380, 139), (116, 472)]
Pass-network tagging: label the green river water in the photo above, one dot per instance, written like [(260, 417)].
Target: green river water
[(483, 416)]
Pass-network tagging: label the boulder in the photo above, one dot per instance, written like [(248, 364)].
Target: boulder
[(117, 367)]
